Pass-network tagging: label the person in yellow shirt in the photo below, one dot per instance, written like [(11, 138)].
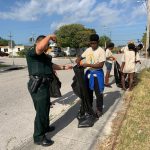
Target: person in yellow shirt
[(94, 62)]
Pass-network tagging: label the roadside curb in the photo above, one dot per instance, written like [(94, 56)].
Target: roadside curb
[(11, 68)]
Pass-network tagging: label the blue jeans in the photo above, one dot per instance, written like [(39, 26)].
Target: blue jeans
[(108, 65)]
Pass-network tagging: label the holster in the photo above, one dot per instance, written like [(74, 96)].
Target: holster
[(36, 82)]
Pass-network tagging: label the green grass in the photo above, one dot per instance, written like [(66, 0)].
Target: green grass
[(135, 131), (3, 65)]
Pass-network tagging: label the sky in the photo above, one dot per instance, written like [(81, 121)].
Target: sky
[(121, 20)]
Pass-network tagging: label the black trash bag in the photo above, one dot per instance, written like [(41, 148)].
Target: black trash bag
[(75, 86), (86, 120), (55, 86), (86, 115), (117, 74)]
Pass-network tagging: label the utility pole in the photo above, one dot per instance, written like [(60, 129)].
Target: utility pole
[(105, 28), (11, 47), (147, 2), (32, 39), (110, 34)]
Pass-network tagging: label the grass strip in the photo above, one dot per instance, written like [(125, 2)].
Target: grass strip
[(131, 127)]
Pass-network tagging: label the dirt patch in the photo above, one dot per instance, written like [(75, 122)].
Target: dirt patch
[(109, 142)]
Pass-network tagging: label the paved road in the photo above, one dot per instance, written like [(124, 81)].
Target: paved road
[(16, 108), (17, 113)]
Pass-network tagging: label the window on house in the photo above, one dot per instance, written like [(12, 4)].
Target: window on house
[(18, 49), (5, 50)]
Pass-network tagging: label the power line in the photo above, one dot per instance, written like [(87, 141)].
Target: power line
[(126, 25)]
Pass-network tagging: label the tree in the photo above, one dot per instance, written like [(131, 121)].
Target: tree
[(73, 35), (104, 40), (144, 37), (4, 42), (23, 52), (82, 38)]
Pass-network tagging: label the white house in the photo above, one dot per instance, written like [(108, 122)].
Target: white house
[(15, 49)]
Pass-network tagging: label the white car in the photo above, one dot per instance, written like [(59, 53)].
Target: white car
[(57, 53), (70, 51)]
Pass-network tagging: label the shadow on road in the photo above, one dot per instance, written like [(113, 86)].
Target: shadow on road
[(110, 98), (67, 98), (71, 114), (65, 120)]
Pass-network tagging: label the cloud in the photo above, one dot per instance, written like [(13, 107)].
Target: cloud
[(116, 2), (27, 11), (138, 11), (33, 9), (92, 12), (78, 11)]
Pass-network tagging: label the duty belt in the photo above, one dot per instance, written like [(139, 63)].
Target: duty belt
[(37, 81), (43, 79)]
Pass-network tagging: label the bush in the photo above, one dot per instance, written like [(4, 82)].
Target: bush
[(23, 52)]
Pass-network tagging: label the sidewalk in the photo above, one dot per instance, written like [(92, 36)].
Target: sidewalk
[(67, 134)]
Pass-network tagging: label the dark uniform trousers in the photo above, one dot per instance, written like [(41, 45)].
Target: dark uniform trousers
[(41, 100), (99, 96)]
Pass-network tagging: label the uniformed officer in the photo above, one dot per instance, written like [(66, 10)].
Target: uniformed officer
[(40, 69)]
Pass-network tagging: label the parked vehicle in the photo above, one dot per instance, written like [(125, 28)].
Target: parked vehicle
[(81, 50), (57, 52), (70, 51), (3, 54)]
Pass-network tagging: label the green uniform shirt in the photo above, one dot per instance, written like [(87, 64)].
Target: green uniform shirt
[(39, 65)]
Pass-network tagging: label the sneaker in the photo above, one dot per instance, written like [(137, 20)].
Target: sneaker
[(45, 142)]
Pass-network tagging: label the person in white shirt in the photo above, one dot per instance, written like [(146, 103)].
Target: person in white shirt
[(129, 60), (94, 62), (123, 49), (109, 60)]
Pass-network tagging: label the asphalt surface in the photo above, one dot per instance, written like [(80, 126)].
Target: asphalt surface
[(16, 108), (17, 113)]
